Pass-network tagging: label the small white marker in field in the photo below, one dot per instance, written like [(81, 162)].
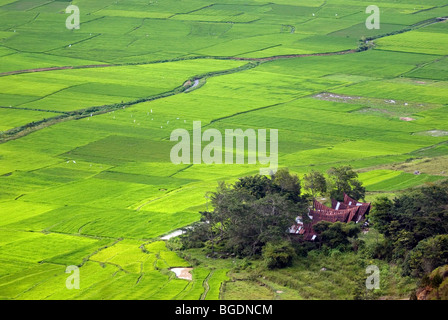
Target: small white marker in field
[(74, 161), (69, 45), (313, 14), (134, 120), (185, 121), (161, 127), (151, 110), (167, 122)]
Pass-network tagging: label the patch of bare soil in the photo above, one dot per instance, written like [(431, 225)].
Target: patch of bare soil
[(328, 96), (436, 133), (183, 273)]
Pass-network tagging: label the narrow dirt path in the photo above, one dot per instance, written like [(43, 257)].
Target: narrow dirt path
[(206, 285), (292, 56), (265, 59), (56, 68)]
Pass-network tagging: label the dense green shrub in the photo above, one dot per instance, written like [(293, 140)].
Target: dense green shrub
[(336, 235), (427, 255), (412, 217), (278, 255)]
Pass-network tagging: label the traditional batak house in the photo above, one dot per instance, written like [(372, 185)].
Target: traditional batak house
[(346, 211)]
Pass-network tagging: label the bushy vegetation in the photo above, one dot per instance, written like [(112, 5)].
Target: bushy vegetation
[(427, 255), (257, 211), (337, 234), (278, 255), (411, 217), (247, 215), (415, 228)]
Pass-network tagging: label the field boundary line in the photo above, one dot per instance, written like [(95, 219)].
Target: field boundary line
[(18, 132), (40, 5), (195, 10), (263, 59), (429, 9), (158, 198), (119, 267), (49, 95), (422, 65), (19, 25), (206, 285), (82, 40), (179, 171), (29, 109), (252, 110)]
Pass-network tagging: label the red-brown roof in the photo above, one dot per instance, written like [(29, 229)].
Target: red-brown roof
[(347, 211)]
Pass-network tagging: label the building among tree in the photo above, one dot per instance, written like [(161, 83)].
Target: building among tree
[(347, 211)]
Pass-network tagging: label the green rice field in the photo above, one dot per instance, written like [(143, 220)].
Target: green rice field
[(86, 117)]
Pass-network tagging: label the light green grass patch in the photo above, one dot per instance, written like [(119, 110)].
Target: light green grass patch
[(416, 41), (403, 181)]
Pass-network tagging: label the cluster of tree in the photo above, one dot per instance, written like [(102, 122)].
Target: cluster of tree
[(427, 255), (252, 216), (248, 214), (415, 228), (340, 180)]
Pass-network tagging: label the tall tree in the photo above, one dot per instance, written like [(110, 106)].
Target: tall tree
[(381, 215), (342, 180), (287, 184), (315, 183)]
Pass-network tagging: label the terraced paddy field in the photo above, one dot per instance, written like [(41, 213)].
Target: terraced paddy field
[(86, 117)]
